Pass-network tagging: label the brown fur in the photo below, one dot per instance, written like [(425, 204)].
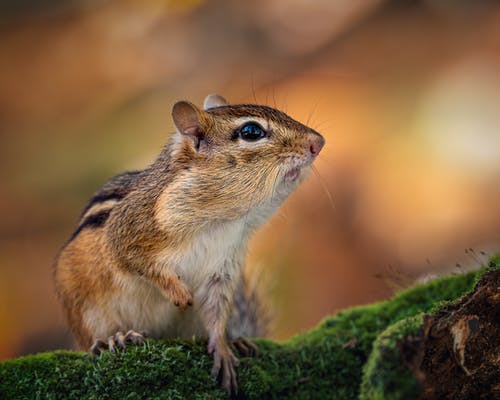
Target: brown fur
[(176, 232)]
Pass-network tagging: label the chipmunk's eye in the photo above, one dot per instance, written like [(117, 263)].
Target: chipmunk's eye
[(251, 132)]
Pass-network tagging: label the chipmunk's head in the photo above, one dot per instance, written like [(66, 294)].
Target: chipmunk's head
[(243, 155)]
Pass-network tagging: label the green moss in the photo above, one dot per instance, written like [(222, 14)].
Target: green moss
[(384, 374), (326, 362)]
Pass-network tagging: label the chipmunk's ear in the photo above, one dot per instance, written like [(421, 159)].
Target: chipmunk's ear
[(189, 121), (214, 100)]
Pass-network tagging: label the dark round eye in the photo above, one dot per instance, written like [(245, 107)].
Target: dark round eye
[(251, 132)]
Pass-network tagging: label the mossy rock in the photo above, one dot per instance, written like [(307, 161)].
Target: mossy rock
[(452, 353), (328, 362), (384, 374)]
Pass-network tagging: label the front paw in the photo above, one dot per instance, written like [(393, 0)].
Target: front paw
[(225, 364), (179, 294)]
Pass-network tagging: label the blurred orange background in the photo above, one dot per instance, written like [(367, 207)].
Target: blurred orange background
[(407, 94)]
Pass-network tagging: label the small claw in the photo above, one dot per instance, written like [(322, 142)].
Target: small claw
[(245, 347), (229, 378), (120, 339), (235, 361), (234, 384), (134, 337), (241, 347), (216, 368), (111, 344), (211, 347), (97, 347)]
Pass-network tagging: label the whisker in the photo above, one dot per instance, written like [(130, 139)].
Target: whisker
[(319, 124), (247, 215), (312, 111), (275, 184), (326, 160), (325, 188), (253, 90), (282, 211), (285, 103), (255, 193)]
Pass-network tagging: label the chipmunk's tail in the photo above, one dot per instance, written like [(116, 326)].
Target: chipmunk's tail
[(250, 317)]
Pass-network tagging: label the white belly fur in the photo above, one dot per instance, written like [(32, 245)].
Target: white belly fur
[(142, 307)]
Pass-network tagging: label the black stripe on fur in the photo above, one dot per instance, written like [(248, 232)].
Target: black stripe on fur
[(92, 221)]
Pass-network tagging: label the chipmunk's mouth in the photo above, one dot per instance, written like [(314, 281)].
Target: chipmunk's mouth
[(297, 169), (296, 173), (293, 174)]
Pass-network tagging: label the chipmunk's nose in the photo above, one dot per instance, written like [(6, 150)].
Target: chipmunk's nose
[(316, 143)]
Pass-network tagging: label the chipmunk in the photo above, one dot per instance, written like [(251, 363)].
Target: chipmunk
[(162, 250)]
